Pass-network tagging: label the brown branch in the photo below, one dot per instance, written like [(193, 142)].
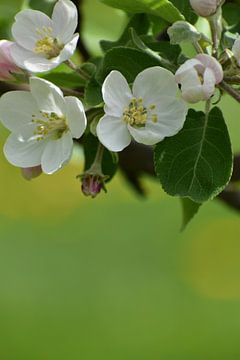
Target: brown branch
[(230, 90)]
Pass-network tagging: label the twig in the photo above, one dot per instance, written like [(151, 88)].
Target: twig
[(230, 90)]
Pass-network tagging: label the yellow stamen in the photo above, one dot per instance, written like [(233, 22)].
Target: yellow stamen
[(50, 125), (136, 114)]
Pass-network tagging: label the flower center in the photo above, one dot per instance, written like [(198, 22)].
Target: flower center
[(136, 114), (50, 125), (47, 44)]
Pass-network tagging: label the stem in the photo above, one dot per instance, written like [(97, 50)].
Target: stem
[(198, 47), (215, 22), (230, 90), (207, 109), (74, 67), (232, 79)]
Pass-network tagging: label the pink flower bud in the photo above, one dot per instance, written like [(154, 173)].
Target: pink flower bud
[(92, 184), (198, 78), (7, 64), (31, 172), (205, 7)]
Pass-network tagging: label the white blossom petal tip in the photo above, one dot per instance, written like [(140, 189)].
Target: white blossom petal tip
[(43, 124), (43, 43), (147, 113), (198, 78)]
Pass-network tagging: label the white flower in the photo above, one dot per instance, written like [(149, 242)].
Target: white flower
[(43, 43), (198, 77), (236, 50), (43, 123), (148, 113), (205, 7)]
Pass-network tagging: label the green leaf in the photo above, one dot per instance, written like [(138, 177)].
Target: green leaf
[(197, 162), (128, 61), (185, 9), (110, 162), (231, 16), (189, 209), (93, 93), (162, 8), (138, 22), (68, 80)]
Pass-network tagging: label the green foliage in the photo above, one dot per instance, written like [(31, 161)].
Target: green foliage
[(189, 210), (161, 8), (185, 9), (231, 16), (139, 22), (197, 162), (126, 60)]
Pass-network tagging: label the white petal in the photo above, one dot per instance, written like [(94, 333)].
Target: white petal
[(209, 83), (153, 83), (23, 153), (189, 65), (47, 95), (16, 109), (68, 50), (145, 136), (65, 18), (191, 86), (211, 63), (116, 93), (76, 117), (24, 30), (113, 133), (57, 153), (171, 117), (30, 61)]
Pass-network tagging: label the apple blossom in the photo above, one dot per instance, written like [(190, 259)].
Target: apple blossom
[(7, 65), (43, 124), (198, 77), (205, 7), (149, 112), (43, 43)]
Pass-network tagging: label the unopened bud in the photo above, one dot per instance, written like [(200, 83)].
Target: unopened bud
[(198, 77), (92, 184), (7, 65), (205, 8), (31, 172)]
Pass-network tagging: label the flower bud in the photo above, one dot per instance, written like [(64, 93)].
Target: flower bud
[(205, 7), (198, 78), (92, 184), (7, 64), (31, 172)]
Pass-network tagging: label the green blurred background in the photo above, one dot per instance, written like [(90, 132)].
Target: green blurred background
[(113, 278)]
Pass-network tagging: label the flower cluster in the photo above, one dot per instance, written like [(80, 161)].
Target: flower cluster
[(43, 122)]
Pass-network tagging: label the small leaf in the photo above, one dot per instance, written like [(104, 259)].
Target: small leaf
[(128, 61), (189, 209), (197, 162), (182, 31), (93, 93), (162, 8)]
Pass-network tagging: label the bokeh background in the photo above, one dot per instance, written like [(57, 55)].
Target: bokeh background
[(113, 278)]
